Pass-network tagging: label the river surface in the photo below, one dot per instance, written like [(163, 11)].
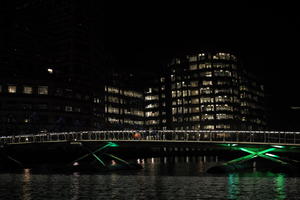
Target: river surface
[(161, 178)]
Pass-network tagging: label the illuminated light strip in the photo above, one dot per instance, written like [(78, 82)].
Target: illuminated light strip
[(253, 154), (115, 157), (110, 144), (280, 147), (272, 155)]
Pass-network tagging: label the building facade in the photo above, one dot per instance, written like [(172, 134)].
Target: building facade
[(207, 91)]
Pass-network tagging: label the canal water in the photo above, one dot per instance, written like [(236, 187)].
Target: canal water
[(181, 177)]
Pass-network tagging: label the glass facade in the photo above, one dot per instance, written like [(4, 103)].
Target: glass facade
[(210, 90)]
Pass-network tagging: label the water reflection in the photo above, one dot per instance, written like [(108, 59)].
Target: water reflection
[(75, 186), (26, 186), (233, 186), (162, 178), (280, 186)]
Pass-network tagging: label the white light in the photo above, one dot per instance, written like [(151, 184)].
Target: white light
[(50, 71)]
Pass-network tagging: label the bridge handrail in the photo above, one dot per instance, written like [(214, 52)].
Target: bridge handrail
[(280, 137)]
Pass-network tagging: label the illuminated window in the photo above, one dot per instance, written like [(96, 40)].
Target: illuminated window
[(205, 66), (201, 56), (179, 93), (12, 89), (193, 67), (185, 93), (206, 74), (192, 58), (178, 85), (222, 73), (223, 126), (96, 100), (27, 90), (223, 107), (209, 107), (194, 83), (227, 91), (195, 118), (43, 90), (112, 90), (207, 117), (195, 92), (224, 116), (162, 79), (223, 56), (223, 83), (219, 65), (206, 100), (207, 82), (209, 127), (174, 111), (152, 122), (113, 120), (223, 99), (195, 110), (68, 108), (195, 101), (174, 103), (152, 97), (115, 110), (112, 99), (173, 93), (179, 102), (50, 71), (172, 77), (152, 114), (206, 90)]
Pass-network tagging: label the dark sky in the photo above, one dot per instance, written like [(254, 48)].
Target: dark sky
[(142, 34), (265, 34)]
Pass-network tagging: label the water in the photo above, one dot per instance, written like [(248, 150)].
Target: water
[(161, 178)]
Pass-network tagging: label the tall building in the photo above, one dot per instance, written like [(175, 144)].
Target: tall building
[(54, 76), (207, 90), (51, 66)]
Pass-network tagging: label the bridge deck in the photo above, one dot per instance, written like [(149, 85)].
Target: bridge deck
[(166, 136)]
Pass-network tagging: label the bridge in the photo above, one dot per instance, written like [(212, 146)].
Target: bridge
[(254, 143)]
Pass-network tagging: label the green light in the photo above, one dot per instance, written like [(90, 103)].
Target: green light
[(280, 147), (247, 150), (272, 155), (112, 144), (98, 159), (280, 186)]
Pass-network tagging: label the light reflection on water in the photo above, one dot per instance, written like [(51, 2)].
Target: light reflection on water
[(161, 178)]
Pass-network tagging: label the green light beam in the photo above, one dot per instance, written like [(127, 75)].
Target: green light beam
[(115, 157), (86, 155), (253, 154), (273, 159), (98, 159), (244, 158)]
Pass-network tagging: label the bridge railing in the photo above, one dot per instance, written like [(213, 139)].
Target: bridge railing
[(159, 135)]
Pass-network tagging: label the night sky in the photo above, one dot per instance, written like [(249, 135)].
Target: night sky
[(266, 35), (141, 35)]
